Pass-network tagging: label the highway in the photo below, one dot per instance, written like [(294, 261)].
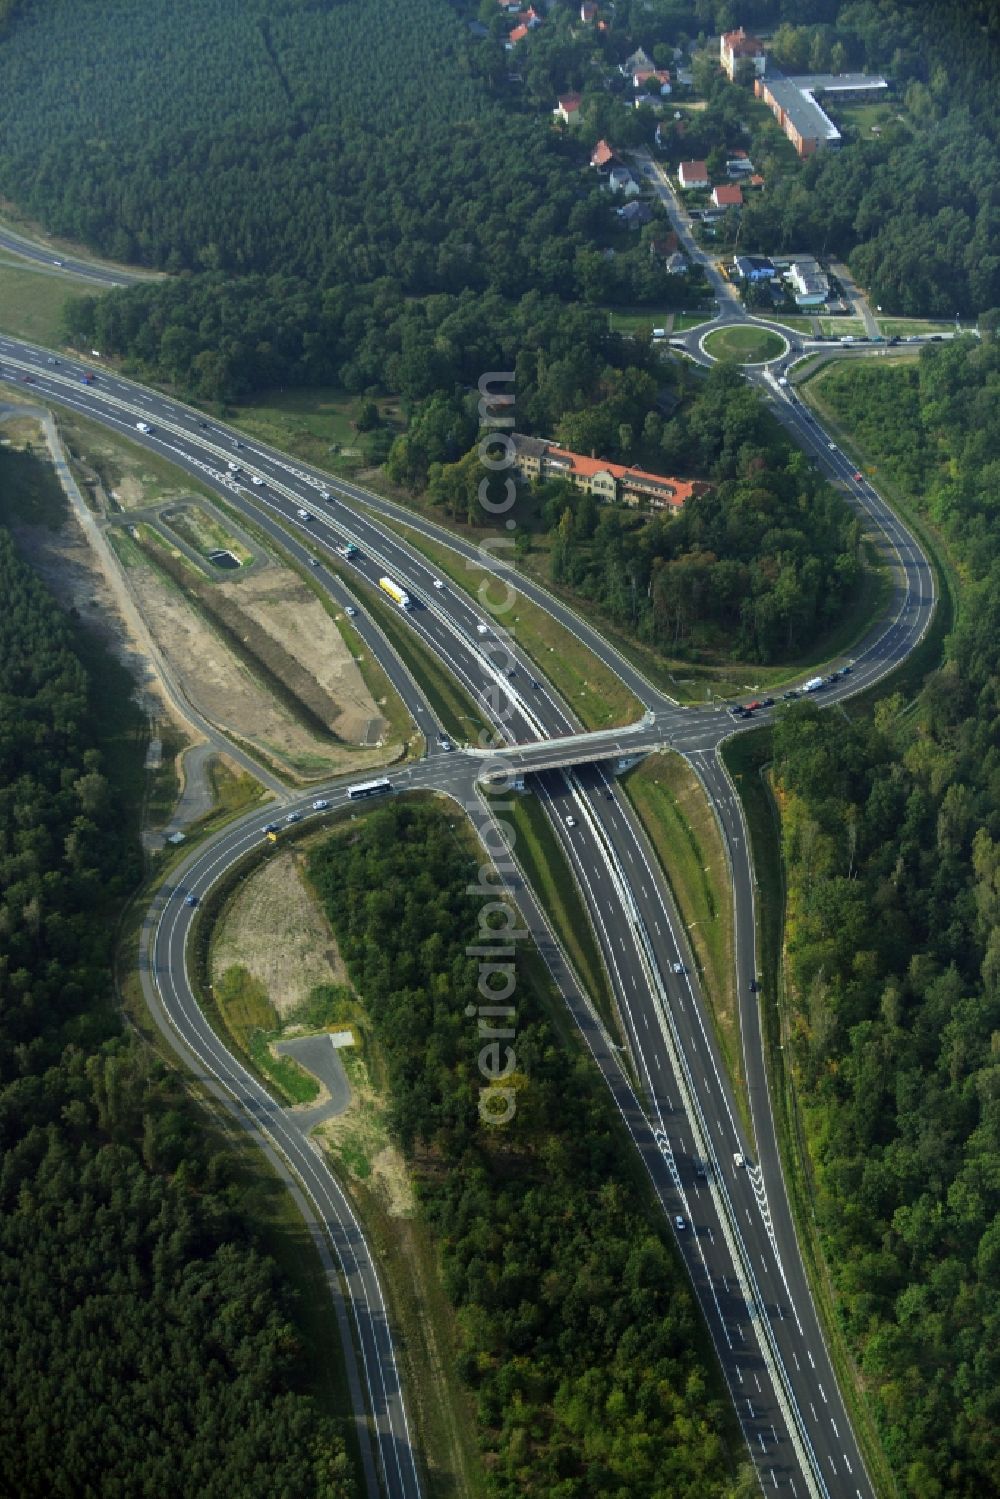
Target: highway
[(737, 1240), (70, 265)]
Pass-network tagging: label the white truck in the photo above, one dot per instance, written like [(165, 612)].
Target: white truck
[(813, 685)]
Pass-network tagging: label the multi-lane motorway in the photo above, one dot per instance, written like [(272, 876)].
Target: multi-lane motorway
[(723, 1191)]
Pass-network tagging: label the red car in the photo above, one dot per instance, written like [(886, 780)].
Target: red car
[(860, 478), (755, 704)]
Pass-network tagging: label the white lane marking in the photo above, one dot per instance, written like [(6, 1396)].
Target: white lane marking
[(810, 1358), (823, 1393)]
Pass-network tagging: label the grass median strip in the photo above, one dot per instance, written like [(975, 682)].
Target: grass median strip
[(592, 690), (678, 820), (547, 870)]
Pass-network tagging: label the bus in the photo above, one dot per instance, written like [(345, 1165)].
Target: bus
[(369, 788)]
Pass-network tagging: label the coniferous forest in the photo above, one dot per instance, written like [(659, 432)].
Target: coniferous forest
[(892, 845), (147, 1345)]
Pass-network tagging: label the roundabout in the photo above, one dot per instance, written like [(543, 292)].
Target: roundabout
[(744, 343)]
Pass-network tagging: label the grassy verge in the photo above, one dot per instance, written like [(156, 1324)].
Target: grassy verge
[(547, 871), (678, 820), (32, 301), (203, 533), (747, 758), (594, 693)]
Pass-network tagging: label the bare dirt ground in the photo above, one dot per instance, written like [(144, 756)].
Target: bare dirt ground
[(224, 690), (286, 611), (275, 929)]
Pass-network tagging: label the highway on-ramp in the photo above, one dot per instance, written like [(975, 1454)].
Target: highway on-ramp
[(737, 1238)]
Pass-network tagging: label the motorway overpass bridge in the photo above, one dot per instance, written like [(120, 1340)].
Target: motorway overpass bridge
[(648, 733)]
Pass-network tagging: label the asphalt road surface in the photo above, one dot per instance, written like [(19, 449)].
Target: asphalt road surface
[(724, 1193)]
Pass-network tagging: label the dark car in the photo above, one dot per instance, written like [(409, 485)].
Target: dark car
[(191, 900), (834, 676), (789, 695), (754, 987), (845, 671), (271, 827), (768, 702)]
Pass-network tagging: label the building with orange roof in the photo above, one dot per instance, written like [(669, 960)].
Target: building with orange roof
[(735, 45), (612, 483)]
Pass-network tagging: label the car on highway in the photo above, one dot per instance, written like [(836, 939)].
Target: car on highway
[(738, 1159), (350, 611), (571, 822), (437, 583), (752, 707), (256, 480), (191, 900), (832, 446), (325, 494), (700, 1169), (789, 696), (444, 742), (845, 671), (679, 968), (294, 817), (50, 360), (57, 262), (679, 1222), (203, 426), (767, 702), (754, 987), (859, 478), (320, 805), (271, 827)]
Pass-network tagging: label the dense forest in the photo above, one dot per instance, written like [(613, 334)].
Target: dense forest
[(147, 1345), (758, 567), (579, 1335), (892, 842)]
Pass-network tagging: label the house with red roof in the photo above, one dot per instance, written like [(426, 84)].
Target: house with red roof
[(602, 155), (736, 45), (727, 195), (613, 483), (692, 174), (568, 109), (518, 35)]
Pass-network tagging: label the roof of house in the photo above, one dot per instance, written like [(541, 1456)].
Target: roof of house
[(519, 33), (639, 59), (601, 154), (741, 44), (728, 194), (664, 244), (676, 491), (676, 262), (747, 263), (756, 180), (620, 174), (569, 103), (635, 210), (693, 171)]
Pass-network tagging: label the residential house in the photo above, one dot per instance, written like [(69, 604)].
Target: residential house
[(727, 195), (675, 265), (588, 12), (652, 78), (635, 214), (739, 165), (734, 46), (810, 285), (663, 244), (631, 65), (691, 174), (601, 156), (620, 180), (568, 109), (517, 35), (613, 483), (531, 18), (754, 268)]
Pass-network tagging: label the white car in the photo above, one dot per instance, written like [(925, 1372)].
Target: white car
[(571, 822), (737, 1159), (679, 1222), (143, 427), (233, 468), (320, 806), (482, 629), (256, 480), (438, 583), (324, 494), (832, 446), (679, 968), (294, 817), (350, 610)]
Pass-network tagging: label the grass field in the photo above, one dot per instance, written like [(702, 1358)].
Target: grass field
[(797, 324), (744, 345), (313, 423), (596, 695), (31, 302), (899, 327), (685, 320), (838, 327), (203, 533)]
